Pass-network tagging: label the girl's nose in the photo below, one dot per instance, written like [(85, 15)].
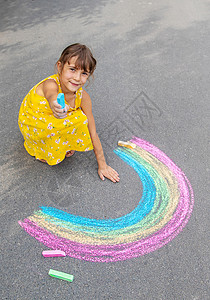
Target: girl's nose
[(77, 76)]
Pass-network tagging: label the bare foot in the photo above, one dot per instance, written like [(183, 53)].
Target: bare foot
[(70, 153), (42, 160)]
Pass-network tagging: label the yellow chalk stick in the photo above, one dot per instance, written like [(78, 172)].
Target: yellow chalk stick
[(127, 144)]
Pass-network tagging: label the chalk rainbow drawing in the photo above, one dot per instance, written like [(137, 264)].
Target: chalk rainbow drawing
[(162, 212)]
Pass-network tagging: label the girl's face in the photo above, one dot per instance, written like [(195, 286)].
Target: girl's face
[(71, 78)]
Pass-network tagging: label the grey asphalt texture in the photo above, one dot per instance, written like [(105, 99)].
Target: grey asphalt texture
[(153, 53)]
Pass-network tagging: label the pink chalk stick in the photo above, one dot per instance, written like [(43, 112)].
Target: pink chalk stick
[(53, 253)]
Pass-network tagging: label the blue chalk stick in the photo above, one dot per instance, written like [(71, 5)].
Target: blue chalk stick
[(61, 100)]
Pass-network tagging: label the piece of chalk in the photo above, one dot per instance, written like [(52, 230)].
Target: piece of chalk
[(127, 144), (61, 100), (61, 275), (53, 253)]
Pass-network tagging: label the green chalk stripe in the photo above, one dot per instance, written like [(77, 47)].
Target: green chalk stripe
[(61, 275)]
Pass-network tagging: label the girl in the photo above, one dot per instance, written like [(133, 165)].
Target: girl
[(52, 133)]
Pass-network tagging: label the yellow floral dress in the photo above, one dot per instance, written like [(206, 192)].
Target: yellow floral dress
[(47, 137)]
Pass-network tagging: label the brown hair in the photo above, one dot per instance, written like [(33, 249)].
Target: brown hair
[(85, 59)]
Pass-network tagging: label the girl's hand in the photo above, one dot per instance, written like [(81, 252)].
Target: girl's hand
[(58, 112), (109, 173)]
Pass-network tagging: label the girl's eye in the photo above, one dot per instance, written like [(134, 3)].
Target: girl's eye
[(85, 73), (72, 69)]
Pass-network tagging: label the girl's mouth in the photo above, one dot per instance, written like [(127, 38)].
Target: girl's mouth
[(74, 84)]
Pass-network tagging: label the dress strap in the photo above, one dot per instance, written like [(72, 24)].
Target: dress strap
[(78, 98)]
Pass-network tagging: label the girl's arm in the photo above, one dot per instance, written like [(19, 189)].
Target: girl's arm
[(103, 169), (50, 90)]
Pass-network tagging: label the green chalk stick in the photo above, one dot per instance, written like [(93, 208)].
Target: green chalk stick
[(61, 275)]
